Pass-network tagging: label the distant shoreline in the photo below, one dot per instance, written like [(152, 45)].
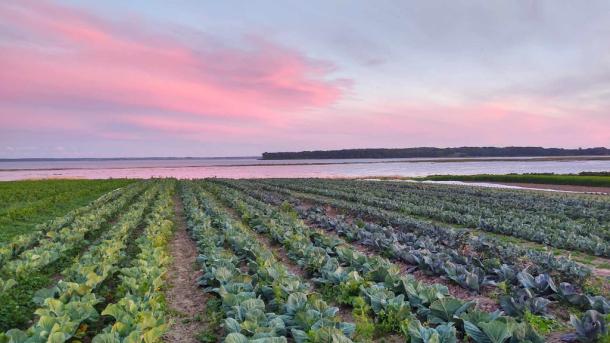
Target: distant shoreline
[(434, 152), (414, 160)]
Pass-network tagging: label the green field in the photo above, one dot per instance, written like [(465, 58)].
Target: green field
[(24, 204), (552, 179), (301, 260)]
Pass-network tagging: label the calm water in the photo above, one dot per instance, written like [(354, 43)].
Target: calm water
[(253, 168)]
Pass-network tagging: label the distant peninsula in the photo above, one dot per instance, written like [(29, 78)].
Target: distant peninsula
[(430, 152)]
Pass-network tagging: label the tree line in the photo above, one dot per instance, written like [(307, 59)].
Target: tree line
[(436, 152)]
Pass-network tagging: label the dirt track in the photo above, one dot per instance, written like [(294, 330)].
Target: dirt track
[(184, 297)]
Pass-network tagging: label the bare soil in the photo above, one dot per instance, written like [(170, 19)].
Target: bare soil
[(601, 272), (281, 255), (555, 337), (391, 338), (184, 297), (331, 211)]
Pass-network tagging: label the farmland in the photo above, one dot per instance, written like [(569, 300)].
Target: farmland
[(25, 204), (303, 260)]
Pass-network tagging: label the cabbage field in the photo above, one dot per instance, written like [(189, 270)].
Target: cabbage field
[(306, 260)]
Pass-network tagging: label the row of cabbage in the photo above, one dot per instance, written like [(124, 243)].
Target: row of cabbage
[(18, 244), (31, 252), (31, 263), (489, 250), (373, 285), (562, 220), (564, 206), (524, 292), (588, 233), (261, 300), (556, 204), (66, 309), (524, 295), (424, 252), (140, 314)]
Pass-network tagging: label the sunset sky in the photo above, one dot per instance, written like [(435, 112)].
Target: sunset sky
[(237, 78)]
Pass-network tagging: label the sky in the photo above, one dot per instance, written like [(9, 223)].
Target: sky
[(238, 78)]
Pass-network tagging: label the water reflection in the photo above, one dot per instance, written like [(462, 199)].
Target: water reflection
[(252, 168)]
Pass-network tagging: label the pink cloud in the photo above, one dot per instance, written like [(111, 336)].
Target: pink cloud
[(78, 57)]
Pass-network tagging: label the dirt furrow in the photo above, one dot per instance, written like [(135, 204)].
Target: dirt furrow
[(185, 300)]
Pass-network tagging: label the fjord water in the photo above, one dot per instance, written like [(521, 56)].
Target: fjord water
[(255, 168)]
